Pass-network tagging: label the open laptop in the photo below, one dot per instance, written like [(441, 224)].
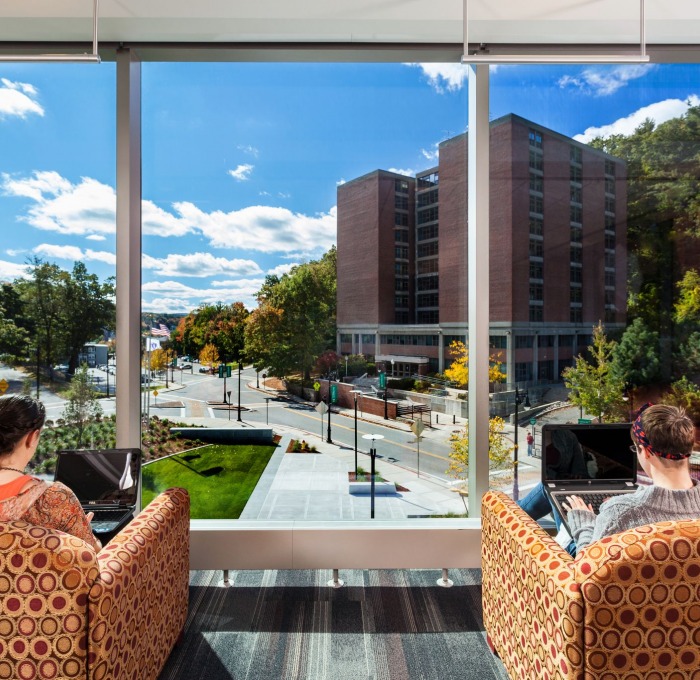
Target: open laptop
[(591, 461), (106, 482)]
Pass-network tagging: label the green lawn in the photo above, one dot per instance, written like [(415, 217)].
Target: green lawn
[(220, 479)]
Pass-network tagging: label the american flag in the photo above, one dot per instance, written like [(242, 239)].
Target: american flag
[(161, 330)]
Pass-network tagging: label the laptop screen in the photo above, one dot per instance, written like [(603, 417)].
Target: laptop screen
[(101, 477), (588, 452)]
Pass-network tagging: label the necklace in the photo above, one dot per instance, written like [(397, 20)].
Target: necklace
[(3, 467)]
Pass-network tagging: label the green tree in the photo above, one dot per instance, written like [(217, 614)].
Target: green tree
[(82, 407), (595, 385), (500, 450), (295, 319), (220, 325), (685, 393), (687, 307), (13, 339), (636, 356)]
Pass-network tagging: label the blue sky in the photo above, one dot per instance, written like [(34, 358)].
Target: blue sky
[(241, 162)]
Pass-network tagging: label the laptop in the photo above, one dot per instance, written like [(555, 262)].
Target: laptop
[(106, 482), (591, 461)]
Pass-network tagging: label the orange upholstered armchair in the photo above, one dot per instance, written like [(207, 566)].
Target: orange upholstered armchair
[(66, 612), (628, 606)]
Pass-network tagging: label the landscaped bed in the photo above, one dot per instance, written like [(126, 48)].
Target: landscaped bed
[(220, 478)]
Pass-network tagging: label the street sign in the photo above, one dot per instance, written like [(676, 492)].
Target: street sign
[(334, 394), (322, 408), (584, 421), (317, 385), (533, 421), (382, 380), (155, 393), (417, 427), (3, 385)]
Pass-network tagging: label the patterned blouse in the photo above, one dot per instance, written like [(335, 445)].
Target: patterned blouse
[(53, 506)]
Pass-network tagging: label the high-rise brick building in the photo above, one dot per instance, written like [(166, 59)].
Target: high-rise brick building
[(557, 261)]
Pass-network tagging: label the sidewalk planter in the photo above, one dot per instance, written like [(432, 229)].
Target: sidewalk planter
[(365, 488)]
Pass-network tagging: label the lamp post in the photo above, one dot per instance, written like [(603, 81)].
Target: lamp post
[(257, 378), (223, 374), (346, 367), (518, 400), (240, 368), (373, 455), (330, 408), (267, 410), (355, 393)]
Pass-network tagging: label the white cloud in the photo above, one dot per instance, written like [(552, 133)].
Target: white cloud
[(266, 229), (10, 271), (14, 252), (18, 99), (282, 269), (178, 297), (444, 77), (248, 149), (659, 112), (255, 283), (604, 80), (242, 172), (166, 305), (199, 265), (432, 154), (74, 253), (399, 171), (340, 182), (96, 237)]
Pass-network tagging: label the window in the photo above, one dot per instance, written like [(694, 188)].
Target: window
[(401, 300), (576, 315), (428, 316), (575, 174), (610, 279), (576, 253), (401, 235), (427, 282), (424, 233), (367, 339), (610, 168), (609, 315), (575, 193), (545, 369), (536, 226), (427, 266), (401, 317), (401, 219), (576, 294), (536, 248), (576, 234), (575, 154), (609, 242), (536, 183), (427, 215), (609, 204), (427, 181), (609, 186), (428, 300), (535, 313), (546, 341), (401, 268), (610, 222), (401, 186), (523, 341), (346, 337), (575, 213), (535, 138), (536, 204), (427, 249), (401, 202), (575, 275), (426, 198), (498, 342), (566, 341), (400, 284), (536, 270), (610, 260), (535, 160), (536, 292), (610, 298), (523, 371), (401, 253)]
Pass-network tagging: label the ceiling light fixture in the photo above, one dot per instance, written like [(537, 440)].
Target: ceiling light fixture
[(93, 58), (483, 56)]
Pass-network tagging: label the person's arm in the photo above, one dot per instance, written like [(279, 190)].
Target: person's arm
[(59, 508), (586, 526)]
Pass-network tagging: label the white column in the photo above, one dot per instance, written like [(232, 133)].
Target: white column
[(478, 282), (128, 249)]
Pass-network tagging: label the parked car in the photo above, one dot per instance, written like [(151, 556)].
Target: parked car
[(186, 367), (204, 369)]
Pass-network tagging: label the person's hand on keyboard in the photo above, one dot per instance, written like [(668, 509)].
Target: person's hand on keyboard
[(89, 516), (576, 503)]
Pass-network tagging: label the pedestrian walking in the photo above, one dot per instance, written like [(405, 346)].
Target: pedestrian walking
[(530, 442)]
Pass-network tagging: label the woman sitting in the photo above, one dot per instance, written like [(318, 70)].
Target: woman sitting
[(23, 497)]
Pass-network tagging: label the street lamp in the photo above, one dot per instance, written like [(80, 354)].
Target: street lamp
[(386, 389), (257, 378), (373, 455), (355, 393), (346, 367), (240, 368), (519, 398), (330, 408)]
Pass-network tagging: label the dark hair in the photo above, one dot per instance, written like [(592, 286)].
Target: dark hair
[(19, 415)]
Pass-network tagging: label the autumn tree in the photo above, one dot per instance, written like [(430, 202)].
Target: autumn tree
[(220, 325), (458, 371), (209, 356), (500, 450), (595, 385)]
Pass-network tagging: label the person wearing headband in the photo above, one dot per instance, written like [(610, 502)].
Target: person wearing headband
[(662, 437), (23, 497)]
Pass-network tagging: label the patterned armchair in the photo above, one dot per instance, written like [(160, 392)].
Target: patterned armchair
[(628, 606), (66, 612)]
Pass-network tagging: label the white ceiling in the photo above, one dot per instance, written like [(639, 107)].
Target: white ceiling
[(532, 23)]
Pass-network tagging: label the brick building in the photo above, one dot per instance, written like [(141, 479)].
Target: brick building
[(557, 254)]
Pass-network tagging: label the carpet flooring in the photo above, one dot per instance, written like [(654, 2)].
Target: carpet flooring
[(383, 625)]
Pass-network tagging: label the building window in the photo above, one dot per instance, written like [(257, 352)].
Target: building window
[(536, 292), (427, 266), (401, 235), (576, 315), (431, 231), (427, 181), (401, 219), (401, 186), (575, 194), (346, 337), (535, 313), (401, 317), (609, 316), (576, 294), (536, 204), (427, 215), (536, 270), (523, 341), (576, 275), (427, 198), (427, 249), (575, 154), (575, 174), (400, 202), (400, 284), (536, 183), (576, 233), (401, 301), (610, 260), (609, 204), (609, 242), (610, 298), (536, 248), (498, 342), (546, 341), (610, 279), (427, 282), (545, 370), (576, 254), (566, 341), (428, 316), (609, 186), (523, 371), (535, 138), (536, 161), (536, 226), (401, 268), (610, 168), (610, 222), (401, 252), (575, 214), (428, 300), (367, 339)]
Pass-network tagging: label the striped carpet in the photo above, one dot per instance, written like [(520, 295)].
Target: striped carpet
[(383, 625)]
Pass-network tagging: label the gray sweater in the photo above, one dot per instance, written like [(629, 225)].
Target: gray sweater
[(648, 504)]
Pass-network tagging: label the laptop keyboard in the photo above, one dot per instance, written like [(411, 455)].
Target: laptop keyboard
[(593, 498), (106, 520)]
